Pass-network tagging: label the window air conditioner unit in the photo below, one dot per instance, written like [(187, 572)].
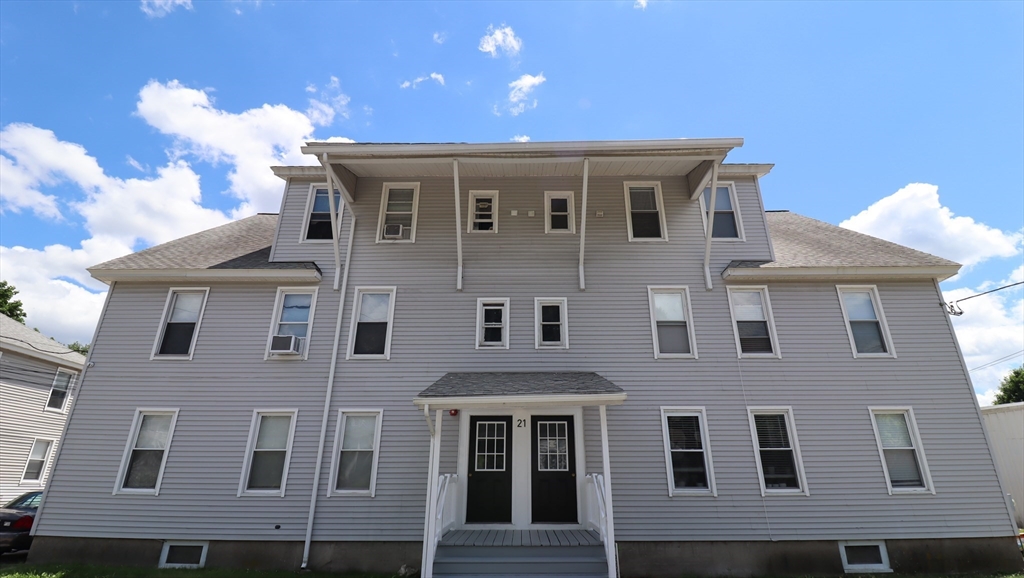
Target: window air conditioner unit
[(286, 344), (392, 231)]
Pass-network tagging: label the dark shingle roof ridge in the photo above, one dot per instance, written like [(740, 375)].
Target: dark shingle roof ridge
[(498, 383)]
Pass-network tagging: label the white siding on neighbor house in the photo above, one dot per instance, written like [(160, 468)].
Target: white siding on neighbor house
[(1005, 425), (25, 385), (609, 333)]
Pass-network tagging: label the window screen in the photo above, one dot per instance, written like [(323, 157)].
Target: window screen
[(266, 469), (358, 443), (670, 321), (899, 451), (147, 454), (864, 323)]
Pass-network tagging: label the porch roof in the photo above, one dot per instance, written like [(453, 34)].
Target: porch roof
[(521, 387)]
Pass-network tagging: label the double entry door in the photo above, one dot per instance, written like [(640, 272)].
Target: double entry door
[(493, 478)]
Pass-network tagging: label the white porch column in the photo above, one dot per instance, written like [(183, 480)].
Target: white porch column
[(430, 528), (607, 473)]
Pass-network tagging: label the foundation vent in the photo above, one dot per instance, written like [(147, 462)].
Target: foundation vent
[(860, 557), (183, 555)]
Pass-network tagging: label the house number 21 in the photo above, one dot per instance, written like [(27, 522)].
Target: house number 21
[(520, 423)]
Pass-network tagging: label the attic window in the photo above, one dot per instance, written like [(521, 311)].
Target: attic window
[(319, 224)]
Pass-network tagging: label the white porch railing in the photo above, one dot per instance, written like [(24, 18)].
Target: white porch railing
[(445, 500), (598, 519)]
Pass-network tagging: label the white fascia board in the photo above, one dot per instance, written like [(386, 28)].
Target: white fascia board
[(521, 400), (211, 275), (745, 169), (839, 273), (57, 358), (456, 149), (312, 172)]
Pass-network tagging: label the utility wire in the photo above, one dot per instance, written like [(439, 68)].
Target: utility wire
[(38, 349), (997, 361), (953, 309)]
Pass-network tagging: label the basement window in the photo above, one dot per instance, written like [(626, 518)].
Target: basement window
[(859, 557), (183, 554)]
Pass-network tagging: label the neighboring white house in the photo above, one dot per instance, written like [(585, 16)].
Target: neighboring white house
[(1005, 425), (37, 381)]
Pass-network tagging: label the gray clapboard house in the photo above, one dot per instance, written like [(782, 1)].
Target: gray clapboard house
[(528, 358), (37, 378)]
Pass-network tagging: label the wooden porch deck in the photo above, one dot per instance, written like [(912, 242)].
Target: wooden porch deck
[(521, 538)]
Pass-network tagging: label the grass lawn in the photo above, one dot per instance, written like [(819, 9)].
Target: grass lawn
[(76, 571)]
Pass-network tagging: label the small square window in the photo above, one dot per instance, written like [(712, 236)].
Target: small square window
[(671, 324), (145, 455), (62, 382), (268, 453), (727, 221), (862, 556), (179, 327), (559, 212), (398, 208), (372, 320), (318, 218), (753, 323), (492, 323), (357, 445), (865, 321), (483, 212), (35, 467), (183, 554), (645, 211), (293, 318), (552, 324)]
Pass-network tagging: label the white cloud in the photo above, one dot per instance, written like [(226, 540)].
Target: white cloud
[(440, 37), (520, 138), (136, 164), (521, 89), (913, 216), (502, 39), (19, 190), (161, 8), (331, 101), (640, 4), (415, 83)]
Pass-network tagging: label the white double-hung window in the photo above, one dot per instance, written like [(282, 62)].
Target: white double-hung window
[(687, 453), (357, 446), (559, 212), (645, 211), (35, 467), (145, 454), (398, 207), (865, 321), (492, 323), (671, 322), (753, 323), (62, 382), (899, 446), (292, 323), (370, 334), (265, 470), (318, 214), (777, 451), (483, 212), (551, 323), (727, 222), (179, 327)]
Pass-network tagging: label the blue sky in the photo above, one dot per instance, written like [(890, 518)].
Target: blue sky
[(126, 124)]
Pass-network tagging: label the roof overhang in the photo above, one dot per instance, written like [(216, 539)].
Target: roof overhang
[(760, 274), (466, 402), (306, 275), (57, 358)]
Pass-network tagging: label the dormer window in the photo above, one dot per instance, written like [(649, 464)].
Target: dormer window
[(645, 212), (727, 224), (318, 225), (398, 207), (559, 212), (483, 212)]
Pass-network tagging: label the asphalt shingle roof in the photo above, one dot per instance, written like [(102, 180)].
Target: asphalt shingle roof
[(520, 383), (242, 244), (16, 333)]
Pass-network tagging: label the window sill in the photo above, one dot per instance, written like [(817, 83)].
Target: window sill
[(775, 492), (760, 356), (354, 357), (911, 492), (350, 493), (873, 356), (316, 241), (671, 356), (559, 232), (552, 347), (262, 494), (486, 347), (35, 483), (54, 410), (726, 239), (648, 240), (688, 493), (390, 241), (483, 232), (278, 357), (159, 357), (137, 491)]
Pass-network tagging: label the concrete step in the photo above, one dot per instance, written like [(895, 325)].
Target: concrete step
[(521, 561)]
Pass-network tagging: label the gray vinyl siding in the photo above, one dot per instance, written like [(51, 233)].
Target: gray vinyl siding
[(25, 385), (609, 332)]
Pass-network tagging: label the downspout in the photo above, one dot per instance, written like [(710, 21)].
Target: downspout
[(583, 222), (458, 224), (330, 389), (71, 410), (711, 225), (335, 221)]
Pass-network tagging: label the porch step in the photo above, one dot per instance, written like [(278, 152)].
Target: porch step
[(520, 561)]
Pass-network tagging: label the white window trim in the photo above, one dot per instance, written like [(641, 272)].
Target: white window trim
[(130, 445), (67, 395), (915, 435), (251, 445), (46, 462), (672, 289), (793, 439), (661, 211), (339, 436), (701, 414), (471, 216), (310, 198), (571, 195), (480, 323), (735, 212), (563, 304), (356, 306), (384, 205), (276, 318), (167, 546), (766, 303), (876, 302), (848, 568), (155, 354)]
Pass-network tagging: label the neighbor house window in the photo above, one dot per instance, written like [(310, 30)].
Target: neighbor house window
[(398, 205), (370, 336), (36, 465), (145, 455), (357, 443), (559, 212), (727, 223), (900, 447), (777, 451), (293, 319), (671, 327), (753, 323), (492, 323), (483, 212), (552, 326), (178, 554), (645, 212), (267, 456), (62, 382), (687, 454), (865, 321), (179, 327), (318, 225)]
